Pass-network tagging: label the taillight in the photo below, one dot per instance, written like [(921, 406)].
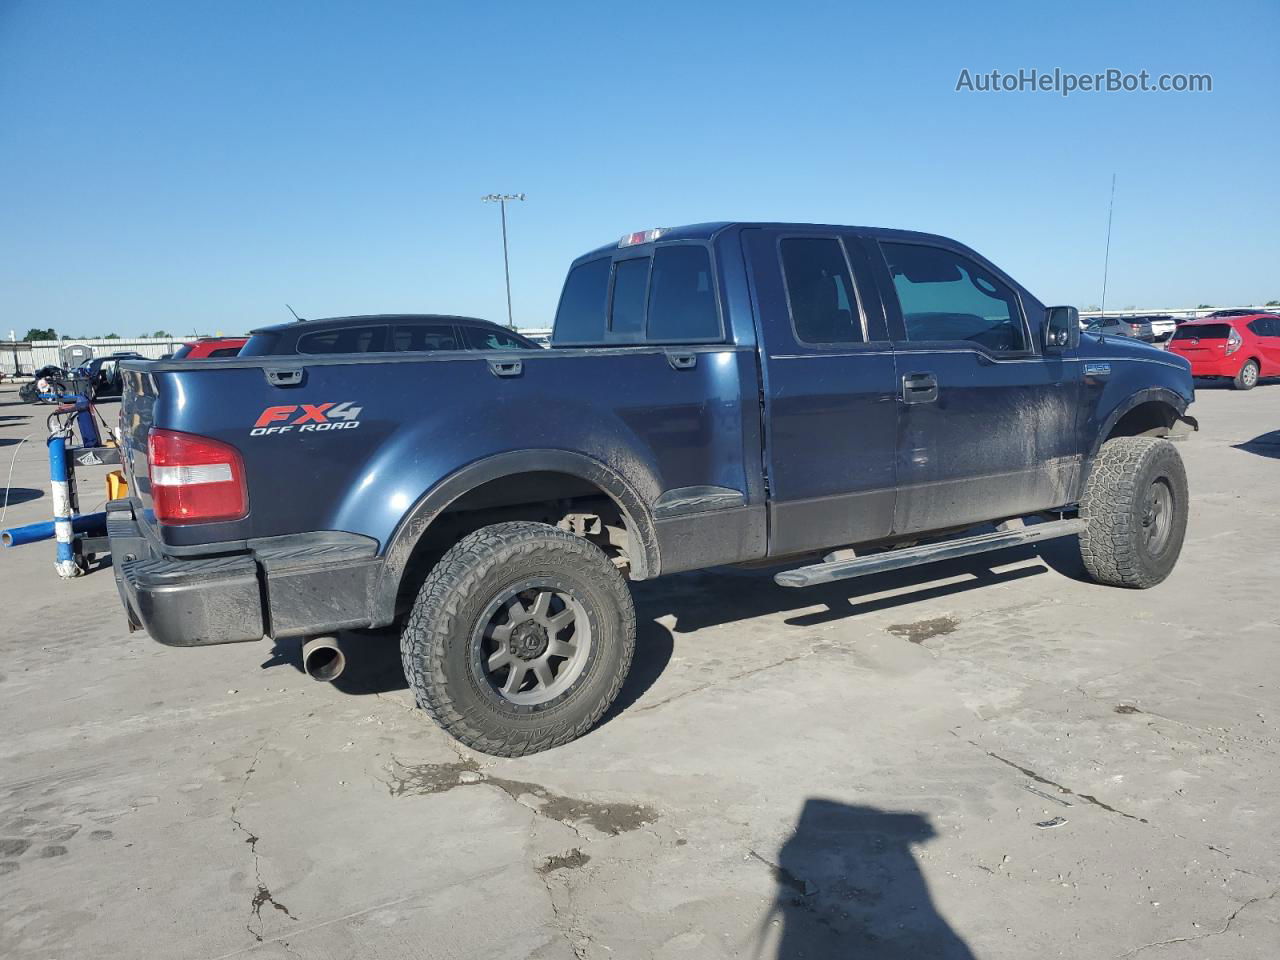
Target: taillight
[(1233, 342), (195, 479)]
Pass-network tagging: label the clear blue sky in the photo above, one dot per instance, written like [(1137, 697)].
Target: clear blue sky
[(195, 165)]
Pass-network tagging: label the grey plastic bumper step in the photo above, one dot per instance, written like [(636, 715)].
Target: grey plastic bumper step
[(833, 570)]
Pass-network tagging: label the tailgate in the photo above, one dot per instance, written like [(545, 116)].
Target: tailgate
[(299, 432)]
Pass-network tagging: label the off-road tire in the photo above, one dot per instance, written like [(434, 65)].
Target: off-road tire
[(436, 645), (1114, 544), (1247, 378)]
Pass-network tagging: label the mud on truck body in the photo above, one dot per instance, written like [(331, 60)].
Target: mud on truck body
[(835, 400)]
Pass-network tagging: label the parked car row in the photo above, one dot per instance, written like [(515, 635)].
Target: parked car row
[(1153, 328), (1239, 344)]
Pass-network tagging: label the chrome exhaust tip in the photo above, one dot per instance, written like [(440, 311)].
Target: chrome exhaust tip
[(323, 659)]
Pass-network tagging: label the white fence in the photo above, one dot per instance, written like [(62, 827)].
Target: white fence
[(1189, 313), (44, 352), (14, 357)]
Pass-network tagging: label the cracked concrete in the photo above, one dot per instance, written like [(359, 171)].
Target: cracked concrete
[(262, 896), (858, 770)]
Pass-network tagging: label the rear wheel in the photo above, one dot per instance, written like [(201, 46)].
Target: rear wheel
[(1247, 378), (1135, 511), (520, 638)]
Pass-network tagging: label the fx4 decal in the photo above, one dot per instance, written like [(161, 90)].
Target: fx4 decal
[(306, 418)]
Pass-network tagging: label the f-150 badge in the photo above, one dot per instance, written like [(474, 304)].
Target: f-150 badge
[(306, 418)]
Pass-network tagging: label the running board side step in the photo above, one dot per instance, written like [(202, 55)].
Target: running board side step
[(833, 570)]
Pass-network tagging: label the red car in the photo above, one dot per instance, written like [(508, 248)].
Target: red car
[(207, 347), (1242, 349)]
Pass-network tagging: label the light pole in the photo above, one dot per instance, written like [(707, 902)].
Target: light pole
[(501, 199)]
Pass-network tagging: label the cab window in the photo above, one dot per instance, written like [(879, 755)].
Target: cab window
[(948, 297), (682, 296), (580, 317), (626, 306)]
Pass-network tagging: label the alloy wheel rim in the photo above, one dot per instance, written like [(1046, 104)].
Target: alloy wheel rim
[(532, 643), (1157, 516)]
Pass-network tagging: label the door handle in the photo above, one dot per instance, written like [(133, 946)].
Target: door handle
[(682, 361), (919, 388)]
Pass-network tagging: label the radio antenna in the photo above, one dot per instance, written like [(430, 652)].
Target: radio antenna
[(299, 319), (1106, 260)]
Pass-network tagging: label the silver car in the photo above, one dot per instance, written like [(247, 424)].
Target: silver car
[(1153, 328)]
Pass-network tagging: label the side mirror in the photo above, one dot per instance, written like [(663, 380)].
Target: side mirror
[(1061, 328)]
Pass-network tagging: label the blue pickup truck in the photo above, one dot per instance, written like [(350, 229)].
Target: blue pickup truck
[(835, 400)]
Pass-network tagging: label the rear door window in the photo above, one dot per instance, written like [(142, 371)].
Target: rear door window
[(626, 306), (417, 337), (580, 317), (820, 291), (344, 340), (682, 297), (224, 352)]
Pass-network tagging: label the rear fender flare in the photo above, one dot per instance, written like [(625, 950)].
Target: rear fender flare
[(645, 562)]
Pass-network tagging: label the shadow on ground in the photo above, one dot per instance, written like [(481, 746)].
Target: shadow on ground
[(18, 495), (849, 887), (1224, 383), (702, 599), (1264, 445), (727, 595)]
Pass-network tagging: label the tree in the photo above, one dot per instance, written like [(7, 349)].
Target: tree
[(112, 336), (36, 333), (1203, 306), (1273, 303), (161, 333)]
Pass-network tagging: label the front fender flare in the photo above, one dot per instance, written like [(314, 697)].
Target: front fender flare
[(645, 562), (1165, 395)]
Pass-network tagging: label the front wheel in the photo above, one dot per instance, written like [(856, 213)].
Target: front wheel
[(520, 638), (1135, 512), (1247, 378)]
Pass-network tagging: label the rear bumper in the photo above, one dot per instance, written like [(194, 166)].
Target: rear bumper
[(304, 585), (1215, 366)]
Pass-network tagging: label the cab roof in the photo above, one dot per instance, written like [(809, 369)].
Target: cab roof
[(709, 231)]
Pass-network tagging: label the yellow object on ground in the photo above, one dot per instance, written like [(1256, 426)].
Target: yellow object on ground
[(117, 486)]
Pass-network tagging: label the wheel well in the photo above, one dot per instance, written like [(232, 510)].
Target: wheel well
[(558, 499), (1154, 418)]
